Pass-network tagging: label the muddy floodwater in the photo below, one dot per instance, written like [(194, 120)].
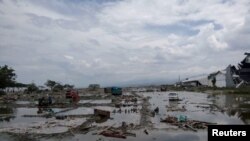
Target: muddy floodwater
[(20, 120)]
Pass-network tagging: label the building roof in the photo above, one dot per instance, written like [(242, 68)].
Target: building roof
[(246, 53), (195, 78), (211, 75), (202, 80)]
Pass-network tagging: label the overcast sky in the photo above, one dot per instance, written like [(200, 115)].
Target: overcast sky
[(115, 42)]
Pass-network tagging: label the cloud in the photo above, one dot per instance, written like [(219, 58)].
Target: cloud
[(238, 38), (69, 57), (121, 42), (215, 44)]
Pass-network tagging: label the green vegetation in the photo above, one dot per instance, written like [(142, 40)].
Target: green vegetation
[(2, 93), (57, 86), (8, 80), (7, 77), (32, 88), (51, 84)]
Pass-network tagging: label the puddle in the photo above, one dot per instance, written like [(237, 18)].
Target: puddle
[(20, 122), (221, 109), (47, 126), (79, 111), (6, 110), (6, 114), (19, 119), (84, 101), (104, 101), (107, 108), (159, 135), (87, 95), (22, 102), (126, 93), (131, 103), (197, 107), (116, 119), (26, 102), (101, 101)]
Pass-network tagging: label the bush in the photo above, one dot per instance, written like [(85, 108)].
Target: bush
[(2, 93)]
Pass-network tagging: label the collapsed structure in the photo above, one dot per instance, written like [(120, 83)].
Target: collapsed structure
[(244, 68), (229, 77)]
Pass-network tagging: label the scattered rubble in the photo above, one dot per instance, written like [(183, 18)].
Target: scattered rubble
[(50, 126), (120, 132), (172, 108), (113, 133), (104, 114), (183, 122)]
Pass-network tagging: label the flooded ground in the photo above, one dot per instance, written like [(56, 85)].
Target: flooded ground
[(95, 101), (137, 117), (197, 106)]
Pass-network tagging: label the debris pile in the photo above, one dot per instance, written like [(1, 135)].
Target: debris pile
[(128, 110), (120, 132), (102, 113), (45, 127), (184, 123), (173, 108), (126, 101), (8, 99), (113, 133)]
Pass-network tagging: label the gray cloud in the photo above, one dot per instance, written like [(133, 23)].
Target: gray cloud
[(176, 28), (239, 39), (121, 42)]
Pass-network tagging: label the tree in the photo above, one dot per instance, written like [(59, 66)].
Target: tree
[(58, 87), (18, 85), (68, 86), (32, 88), (51, 84), (7, 76)]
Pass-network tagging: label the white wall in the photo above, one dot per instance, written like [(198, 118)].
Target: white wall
[(220, 80), (204, 81)]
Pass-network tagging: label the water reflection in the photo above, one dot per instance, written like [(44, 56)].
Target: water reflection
[(101, 119), (220, 109), (45, 111), (6, 113), (6, 110), (234, 105), (173, 104)]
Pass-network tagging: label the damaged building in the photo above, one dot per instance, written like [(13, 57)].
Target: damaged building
[(94, 87), (244, 68), (229, 77), (195, 81), (224, 78)]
